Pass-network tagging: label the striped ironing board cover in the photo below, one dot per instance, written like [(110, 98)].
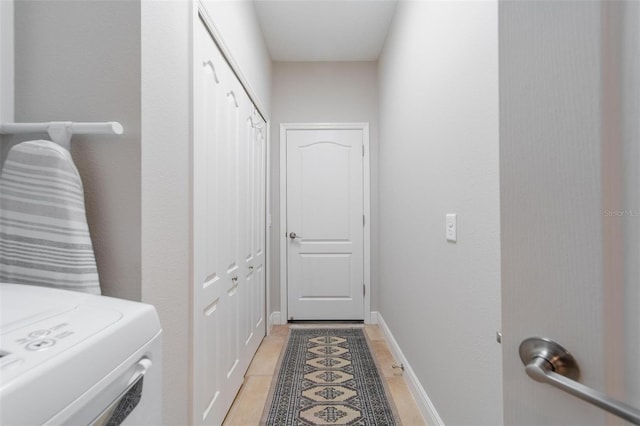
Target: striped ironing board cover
[(44, 236)]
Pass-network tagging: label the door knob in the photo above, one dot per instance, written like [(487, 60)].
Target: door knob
[(548, 362), (293, 236)]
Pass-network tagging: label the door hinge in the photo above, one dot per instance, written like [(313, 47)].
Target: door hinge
[(363, 150), (363, 221), (364, 289)]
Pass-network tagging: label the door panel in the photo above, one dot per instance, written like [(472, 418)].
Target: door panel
[(561, 151), (326, 275), (325, 208), (324, 191)]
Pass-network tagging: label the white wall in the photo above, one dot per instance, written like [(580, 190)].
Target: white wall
[(322, 92), (438, 155), (165, 183), (80, 61), (165, 180)]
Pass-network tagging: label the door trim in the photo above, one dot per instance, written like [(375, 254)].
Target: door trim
[(366, 189)]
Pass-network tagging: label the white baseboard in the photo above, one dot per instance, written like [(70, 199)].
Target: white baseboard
[(274, 318), (374, 317), (425, 405)]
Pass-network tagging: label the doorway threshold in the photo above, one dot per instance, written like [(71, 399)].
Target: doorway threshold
[(326, 323)]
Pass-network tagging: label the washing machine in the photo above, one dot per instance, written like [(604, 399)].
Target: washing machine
[(69, 358)]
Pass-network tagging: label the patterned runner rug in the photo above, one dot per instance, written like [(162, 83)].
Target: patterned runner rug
[(327, 376)]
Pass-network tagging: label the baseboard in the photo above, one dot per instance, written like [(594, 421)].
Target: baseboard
[(373, 318), (425, 405), (274, 318)]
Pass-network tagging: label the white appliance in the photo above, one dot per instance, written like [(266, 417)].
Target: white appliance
[(77, 359)]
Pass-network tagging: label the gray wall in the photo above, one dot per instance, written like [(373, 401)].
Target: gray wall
[(323, 92), (439, 155), (80, 61), (6, 61)]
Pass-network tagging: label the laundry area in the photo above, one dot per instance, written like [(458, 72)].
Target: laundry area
[(401, 212)]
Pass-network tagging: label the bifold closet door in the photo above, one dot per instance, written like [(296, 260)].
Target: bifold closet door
[(228, 232), (252, 232)]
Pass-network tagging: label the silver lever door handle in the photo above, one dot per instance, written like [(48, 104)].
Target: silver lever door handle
[(293, 235), (548, 362)]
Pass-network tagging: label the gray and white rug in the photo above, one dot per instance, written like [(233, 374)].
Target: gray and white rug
[(327, 376)]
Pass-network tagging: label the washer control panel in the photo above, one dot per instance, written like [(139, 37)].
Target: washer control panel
[(27, 347)]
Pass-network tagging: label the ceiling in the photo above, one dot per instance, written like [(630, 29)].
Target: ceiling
[(325, 30)]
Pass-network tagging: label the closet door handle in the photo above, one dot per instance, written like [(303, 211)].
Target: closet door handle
[(293, 236), (548, 362)]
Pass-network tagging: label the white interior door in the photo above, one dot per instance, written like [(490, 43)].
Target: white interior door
[(325, 246), (569, 161), (229, 163)]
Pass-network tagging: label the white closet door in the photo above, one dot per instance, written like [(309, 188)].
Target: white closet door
[(209, 273), (253, 234), (229, 245), (228, 238), (258, 308)]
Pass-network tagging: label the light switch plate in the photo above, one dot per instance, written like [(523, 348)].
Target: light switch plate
[(451, 227)]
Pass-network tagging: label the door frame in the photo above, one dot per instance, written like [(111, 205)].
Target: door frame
[(366, 189)]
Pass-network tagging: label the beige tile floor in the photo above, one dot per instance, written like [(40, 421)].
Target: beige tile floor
[(250, 401)]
